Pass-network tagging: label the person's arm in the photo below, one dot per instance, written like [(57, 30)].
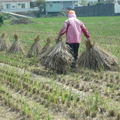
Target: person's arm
[(85, 31), (63, 30)]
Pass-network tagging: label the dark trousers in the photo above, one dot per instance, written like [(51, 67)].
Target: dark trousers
[(74, 51)]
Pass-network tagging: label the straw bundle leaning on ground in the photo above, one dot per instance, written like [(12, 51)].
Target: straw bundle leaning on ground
[(2, 36), (35, 48), (3, 43), (57, 57), (20, 21), (16, 47), (47, 46), (96, 59), (45, 49)]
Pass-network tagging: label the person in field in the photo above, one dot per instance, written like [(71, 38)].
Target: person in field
[(73, 28)]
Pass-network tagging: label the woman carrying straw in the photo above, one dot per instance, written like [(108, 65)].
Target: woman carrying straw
[(73, 28)]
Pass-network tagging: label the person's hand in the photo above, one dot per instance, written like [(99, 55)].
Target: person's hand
[(57, 40), (89, 44), (58, 37), (88, 39)]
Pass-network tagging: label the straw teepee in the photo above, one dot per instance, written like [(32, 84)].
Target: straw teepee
[(96, 59), (47, 46), (16, 47), (3, 43), (45, 49), (35, 48), (58, 57)]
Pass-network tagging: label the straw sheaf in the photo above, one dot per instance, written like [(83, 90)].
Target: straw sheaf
[(3, 43), (37, 38), (3, 35), (16, 37), (58, 57), (46, 47), (16, 47), (35, 48), (97, 59)]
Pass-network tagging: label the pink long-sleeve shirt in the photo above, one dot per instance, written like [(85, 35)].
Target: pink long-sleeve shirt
[(73, 28)]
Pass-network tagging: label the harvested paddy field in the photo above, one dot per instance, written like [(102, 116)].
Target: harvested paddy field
[(29, 91)]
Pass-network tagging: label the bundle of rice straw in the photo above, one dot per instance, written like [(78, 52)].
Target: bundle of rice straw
[(2, 36), (47, 46), (16, 47), (44, 50), (35, 48), (97, 59), (3, 43), (57, 57)]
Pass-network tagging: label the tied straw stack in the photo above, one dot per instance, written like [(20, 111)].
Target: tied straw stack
[(57, 57), (97, 59), (16, 46), (35, 48), (45, 49), (47, 46), (3, 43)]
